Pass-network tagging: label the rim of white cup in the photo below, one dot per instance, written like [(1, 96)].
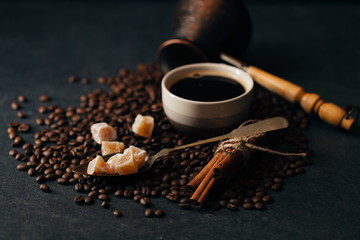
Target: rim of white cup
[(237, 74)]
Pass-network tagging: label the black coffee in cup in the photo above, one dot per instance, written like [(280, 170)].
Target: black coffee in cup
[(207, 88)]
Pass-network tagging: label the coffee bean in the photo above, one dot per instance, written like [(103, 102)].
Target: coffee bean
[(19, 156), (31, 172), (267, 199), (149, 213), (248, 206), (13, 152), (22, 167), (259, 206), (24, 127), (18, 141), (89, 200), (159, 213), (42, 110), (79, 200), (22, 98), (103, 197), (277, 187), (45, 188), (40, 179), (145, 201), (300, 170), (44, 98), (231, 206), (51, 176), (72, 79), (62, 181), (15, 106), (105, 204), (85, 81), (117, 213), (21, 114)]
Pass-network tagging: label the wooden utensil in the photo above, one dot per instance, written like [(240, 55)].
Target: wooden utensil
[(310, 102)]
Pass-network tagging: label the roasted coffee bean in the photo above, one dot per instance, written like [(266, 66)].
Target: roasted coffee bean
[(117, 213), (300, 170), (31, 172), (72, 79), (40, 179), (12, 135), (45, 188), (85, 80), (22, 98), (277, 187), (248, 206), (159, 213), (24, 127), (137, 198), (234, 201), (39, 121), (19, 156), (259, 206), (44, 98), (231, 206), (119, 193), (105, 204), (149, 213), (15, 106), (79, 200), (145, 201), (21, 114), (22, 167), (62, 181), (267, 199), (104, 197), (89, 200), (18, 141), (42, 110), (51, 176)]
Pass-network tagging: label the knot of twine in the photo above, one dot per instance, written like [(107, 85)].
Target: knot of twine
[(242, 144)]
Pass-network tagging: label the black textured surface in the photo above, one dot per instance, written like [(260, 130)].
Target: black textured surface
[(315, 45)]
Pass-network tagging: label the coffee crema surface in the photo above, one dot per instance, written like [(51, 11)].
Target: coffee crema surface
[(207, 88)]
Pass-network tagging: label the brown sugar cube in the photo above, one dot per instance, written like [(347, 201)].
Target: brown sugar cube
[(103, 132), (143, 125), (110, 147)]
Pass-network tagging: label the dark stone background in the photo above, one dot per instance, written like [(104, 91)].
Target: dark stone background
[(313, 44)]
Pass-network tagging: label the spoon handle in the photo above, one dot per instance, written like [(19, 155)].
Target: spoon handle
[(248, 130)]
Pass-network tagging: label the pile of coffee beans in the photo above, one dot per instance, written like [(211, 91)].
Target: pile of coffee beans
[(65, 142)]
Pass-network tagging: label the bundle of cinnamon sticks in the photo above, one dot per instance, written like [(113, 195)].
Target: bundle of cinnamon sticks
[(220, 169)]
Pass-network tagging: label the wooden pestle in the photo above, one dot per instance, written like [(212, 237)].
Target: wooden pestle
[(310, 102)]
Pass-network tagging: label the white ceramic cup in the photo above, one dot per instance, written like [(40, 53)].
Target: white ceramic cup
[(204, 119)]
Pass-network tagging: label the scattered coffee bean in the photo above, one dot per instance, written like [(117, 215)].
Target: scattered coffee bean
[(248, 206), (45, 188), (15, 106), (89, 200), (72, 79), (13, 152), (21, 114), (22, 167), (44, 98), (105, 204), (145, 201), (117, 213), (22, 98), (149, 213), (159, 213), (85, 81), (41, 179), (79, 199)]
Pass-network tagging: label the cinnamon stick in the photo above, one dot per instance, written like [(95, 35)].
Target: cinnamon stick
[(195, 182), (207, 185)]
